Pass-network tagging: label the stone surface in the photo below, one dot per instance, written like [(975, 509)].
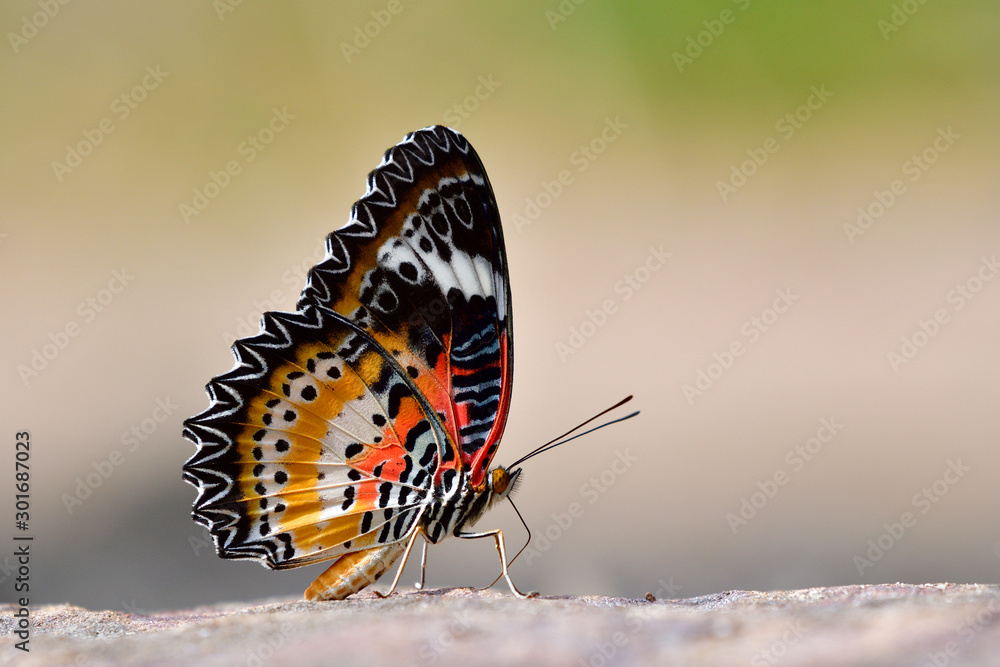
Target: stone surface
[(890, 624)]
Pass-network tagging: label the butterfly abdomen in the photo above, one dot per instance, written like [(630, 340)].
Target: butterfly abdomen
[(352, 572)]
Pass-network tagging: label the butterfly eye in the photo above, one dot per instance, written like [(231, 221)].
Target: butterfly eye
[(500, 480)]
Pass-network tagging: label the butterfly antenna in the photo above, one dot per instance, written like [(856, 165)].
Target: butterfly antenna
[(555, 442)]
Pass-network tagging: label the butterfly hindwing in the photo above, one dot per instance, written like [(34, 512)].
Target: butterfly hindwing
[(311, 453), (340, 421)]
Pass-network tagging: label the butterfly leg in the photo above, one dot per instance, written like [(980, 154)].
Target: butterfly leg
[(498, 537), (406, 555), (423, 567)]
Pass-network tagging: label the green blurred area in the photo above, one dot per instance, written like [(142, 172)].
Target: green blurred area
[(761, 60), (770, 50)]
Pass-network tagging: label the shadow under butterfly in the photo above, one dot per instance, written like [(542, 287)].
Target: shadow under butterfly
[(371, 414)]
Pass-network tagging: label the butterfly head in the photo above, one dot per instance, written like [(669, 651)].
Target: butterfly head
[(503, 482)]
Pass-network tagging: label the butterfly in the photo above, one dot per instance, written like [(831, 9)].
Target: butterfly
[(371, 414)]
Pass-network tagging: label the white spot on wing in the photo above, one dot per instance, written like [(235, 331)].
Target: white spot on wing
[(465, 270), (485, 273)]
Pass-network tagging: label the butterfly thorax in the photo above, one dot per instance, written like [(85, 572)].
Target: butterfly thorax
[(459, 511)]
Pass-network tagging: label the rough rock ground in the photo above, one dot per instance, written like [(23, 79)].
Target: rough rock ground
[(891, 624)]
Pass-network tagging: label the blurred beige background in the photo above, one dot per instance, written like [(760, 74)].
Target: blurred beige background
[(739, 138)]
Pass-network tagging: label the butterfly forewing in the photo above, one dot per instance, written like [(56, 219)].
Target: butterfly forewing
[(338, 421), (422, 265)]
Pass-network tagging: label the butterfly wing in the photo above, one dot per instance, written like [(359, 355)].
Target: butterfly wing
[(341, 421), (423, 264)]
